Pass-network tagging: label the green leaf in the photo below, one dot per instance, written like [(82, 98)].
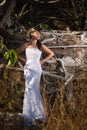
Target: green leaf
[(13, 57), (9, 63), (6, 55)]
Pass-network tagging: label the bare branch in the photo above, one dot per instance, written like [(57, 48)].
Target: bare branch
[(3, 2), (70, 46)]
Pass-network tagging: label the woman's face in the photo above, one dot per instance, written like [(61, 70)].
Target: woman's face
[(36, 35)]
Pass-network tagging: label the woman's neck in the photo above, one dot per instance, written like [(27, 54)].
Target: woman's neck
[(33, 43)]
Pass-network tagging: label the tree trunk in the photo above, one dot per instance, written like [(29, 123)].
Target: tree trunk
[(7, 16)]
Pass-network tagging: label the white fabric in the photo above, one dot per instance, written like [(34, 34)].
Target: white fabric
[(32, 104)]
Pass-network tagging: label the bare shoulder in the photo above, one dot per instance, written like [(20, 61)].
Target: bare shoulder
[(29, 46), (22, 47)]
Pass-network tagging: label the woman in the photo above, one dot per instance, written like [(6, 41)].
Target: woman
[(33, 109)]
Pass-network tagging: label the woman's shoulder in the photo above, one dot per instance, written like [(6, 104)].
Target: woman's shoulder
[(27, 44)]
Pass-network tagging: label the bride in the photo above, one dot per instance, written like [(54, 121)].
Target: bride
[(33, 107)]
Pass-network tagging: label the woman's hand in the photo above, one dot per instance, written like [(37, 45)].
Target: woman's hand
[(42, 61)]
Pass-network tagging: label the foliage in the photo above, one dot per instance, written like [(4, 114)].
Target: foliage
[(10, 55)]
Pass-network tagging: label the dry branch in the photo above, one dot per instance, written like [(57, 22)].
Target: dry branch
[(62, 33), (52, 75), (3, 2), (49, 40), (70, 46)]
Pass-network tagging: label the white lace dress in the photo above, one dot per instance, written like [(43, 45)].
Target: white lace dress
[(32, 103)]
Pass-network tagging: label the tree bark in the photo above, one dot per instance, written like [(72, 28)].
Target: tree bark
[(7, 16)]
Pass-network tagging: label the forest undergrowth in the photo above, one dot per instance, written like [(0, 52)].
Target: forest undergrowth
[(65, 108)]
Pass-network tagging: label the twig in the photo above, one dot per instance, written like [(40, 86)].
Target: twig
[(75, 9), (69, 79)]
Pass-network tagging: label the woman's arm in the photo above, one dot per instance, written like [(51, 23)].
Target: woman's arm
[(22, 58), (49, 52), (21, 48)]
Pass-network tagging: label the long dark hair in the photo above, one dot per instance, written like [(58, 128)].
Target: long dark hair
[(39, 44)]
